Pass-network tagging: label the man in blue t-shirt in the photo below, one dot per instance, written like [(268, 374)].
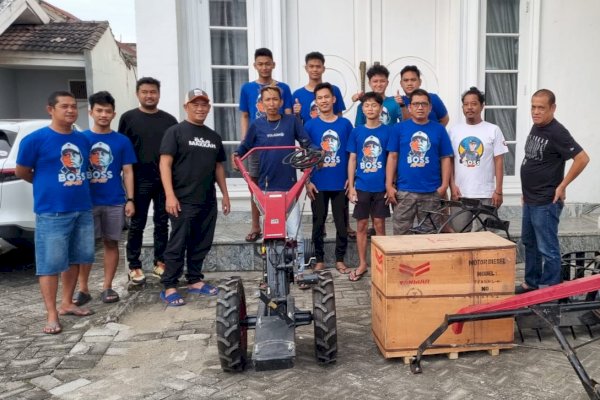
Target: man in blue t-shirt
[(378, 82), (55, 159), (276, 129), (420, 155), (252, 108), (329, 182), (305, 104), (366, 176), (111, 154), (410, 80), (304, 97)]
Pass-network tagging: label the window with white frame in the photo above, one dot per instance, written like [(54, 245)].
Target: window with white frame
[(502, 43), (229, 67)]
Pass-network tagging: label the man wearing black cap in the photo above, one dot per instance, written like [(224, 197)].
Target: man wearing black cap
[(191, 161)]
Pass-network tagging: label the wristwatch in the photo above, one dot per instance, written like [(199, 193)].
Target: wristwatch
[(129, 199)]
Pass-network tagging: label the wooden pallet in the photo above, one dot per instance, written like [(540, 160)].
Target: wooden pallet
[(452, 351)]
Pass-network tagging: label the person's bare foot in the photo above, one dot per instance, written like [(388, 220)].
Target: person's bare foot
[(52, 328), (342, 268), (357, 274), (76, 311), (320, 266)]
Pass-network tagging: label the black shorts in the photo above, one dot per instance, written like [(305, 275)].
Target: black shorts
[(370, 204)]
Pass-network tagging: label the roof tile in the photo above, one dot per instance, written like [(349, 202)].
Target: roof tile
[(58, 37)]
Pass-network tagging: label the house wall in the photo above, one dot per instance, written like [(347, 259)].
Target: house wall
[(157, 49), (385, 31), (436, 35), (8, 89), (33, 87), (106, 70), (569, 60)]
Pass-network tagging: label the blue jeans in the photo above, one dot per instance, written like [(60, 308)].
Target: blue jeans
[(63, 239), (539, 234)]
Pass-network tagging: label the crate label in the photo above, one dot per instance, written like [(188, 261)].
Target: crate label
[(487, 261)]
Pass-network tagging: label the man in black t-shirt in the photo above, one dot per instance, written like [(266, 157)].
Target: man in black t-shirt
[(145, 127), (191, 161), (549, 145)]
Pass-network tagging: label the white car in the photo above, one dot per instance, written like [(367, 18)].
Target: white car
[(17, 220)]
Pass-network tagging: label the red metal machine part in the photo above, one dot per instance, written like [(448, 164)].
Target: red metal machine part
[(274, 206), (537, 302)]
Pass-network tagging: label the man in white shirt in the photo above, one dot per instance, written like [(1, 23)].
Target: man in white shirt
[(479, 149)]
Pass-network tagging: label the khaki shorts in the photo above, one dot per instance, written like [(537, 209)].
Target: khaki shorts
[(414, 205), (462, 221)]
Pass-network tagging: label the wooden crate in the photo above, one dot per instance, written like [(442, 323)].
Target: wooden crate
[(417, 279)]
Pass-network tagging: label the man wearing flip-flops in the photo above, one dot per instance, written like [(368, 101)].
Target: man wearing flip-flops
[(111, 156), (191, 161)]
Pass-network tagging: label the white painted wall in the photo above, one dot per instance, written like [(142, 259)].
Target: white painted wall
[(157, 49), (569, 60), (106, 70), (429, 33)]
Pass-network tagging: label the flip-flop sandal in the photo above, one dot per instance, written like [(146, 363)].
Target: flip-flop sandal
[(253, 236), (81, 298), (109, 296), (52, 328), (206, 289), (78, 312), (172, 300), (355, 277)]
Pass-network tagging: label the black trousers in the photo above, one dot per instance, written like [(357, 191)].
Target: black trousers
[(144, 192), (339, 204), (192, 233)]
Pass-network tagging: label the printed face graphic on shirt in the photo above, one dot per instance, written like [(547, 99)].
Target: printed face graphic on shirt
[(371, 151), (384, 118), (260, 108), (314, 110), (470, 150), (100, 159), (330, 143), (71, 159), (419, 145)]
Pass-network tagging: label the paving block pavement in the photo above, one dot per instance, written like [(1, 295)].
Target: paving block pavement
[(141, 349)]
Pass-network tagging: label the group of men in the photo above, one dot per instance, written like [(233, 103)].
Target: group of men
[(398, 153), (86, 183)]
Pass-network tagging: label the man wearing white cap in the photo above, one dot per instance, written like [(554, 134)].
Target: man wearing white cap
[(191, 162)]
